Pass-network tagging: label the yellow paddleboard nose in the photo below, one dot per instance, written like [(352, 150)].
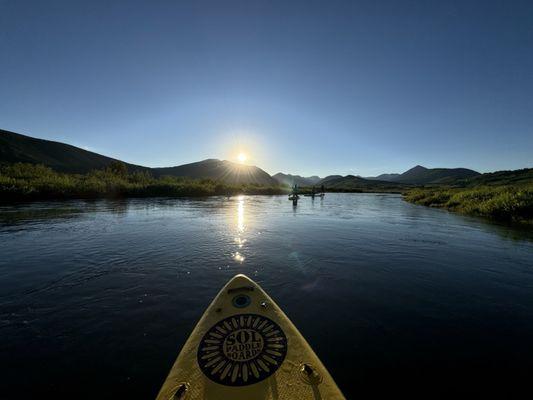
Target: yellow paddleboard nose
[(240, 276), (244, 347), (240, 279)]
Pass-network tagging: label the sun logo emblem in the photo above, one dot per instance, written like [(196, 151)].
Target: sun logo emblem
[(242, 350)]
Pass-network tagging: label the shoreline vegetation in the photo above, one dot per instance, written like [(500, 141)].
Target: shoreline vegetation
[(30, 182), (505, 196), (33, 182), (507, 203)]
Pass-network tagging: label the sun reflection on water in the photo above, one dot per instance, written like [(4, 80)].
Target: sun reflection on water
[(240, 214), (237, 256)]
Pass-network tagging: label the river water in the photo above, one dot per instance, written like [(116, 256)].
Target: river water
[(97, 297)]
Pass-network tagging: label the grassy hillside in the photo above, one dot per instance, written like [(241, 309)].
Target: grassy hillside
[(503, 195), (34, 182), (60, 157), (499, 178), (351, 183), (508, 203)]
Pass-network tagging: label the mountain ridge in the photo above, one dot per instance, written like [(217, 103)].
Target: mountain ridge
[(66, 158), (223, 170), (357, 183), (383, 177), (62, 157), (419, 175)]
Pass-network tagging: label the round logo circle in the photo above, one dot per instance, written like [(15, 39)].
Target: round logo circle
[(242, 350)]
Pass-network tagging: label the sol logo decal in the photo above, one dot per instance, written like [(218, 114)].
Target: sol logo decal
[(242, 350)]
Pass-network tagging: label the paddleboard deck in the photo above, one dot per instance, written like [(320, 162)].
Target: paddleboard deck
[(245, 348)]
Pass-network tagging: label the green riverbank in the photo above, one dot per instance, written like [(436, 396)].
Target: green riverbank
[(511, 203), (24, 182)]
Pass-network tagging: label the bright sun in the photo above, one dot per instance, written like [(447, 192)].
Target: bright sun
[(242, 157)]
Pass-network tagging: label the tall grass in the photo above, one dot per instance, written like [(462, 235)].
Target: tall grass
[(508, 202), (31, 182)]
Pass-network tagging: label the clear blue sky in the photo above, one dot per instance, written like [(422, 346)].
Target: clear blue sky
[(310, 87)]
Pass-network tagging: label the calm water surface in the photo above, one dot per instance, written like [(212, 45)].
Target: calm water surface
[(97, 298)]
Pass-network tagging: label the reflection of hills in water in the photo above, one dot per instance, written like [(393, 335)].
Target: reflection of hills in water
[(516, 232), (43, 212), (37, 214)]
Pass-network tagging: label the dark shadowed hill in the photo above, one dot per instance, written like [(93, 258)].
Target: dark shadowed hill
[(351, 183), (422, 176), (384, 177), (225, 171), (61, 157), (288, 179), (329, 178)]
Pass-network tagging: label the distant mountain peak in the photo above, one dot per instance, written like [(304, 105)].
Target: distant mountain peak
[(288, 179), (421, 175)]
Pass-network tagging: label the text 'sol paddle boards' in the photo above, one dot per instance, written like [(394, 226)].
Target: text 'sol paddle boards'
[(245, 348)]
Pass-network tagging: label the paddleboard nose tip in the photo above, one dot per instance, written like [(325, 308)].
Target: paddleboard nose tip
[(240, 280)]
